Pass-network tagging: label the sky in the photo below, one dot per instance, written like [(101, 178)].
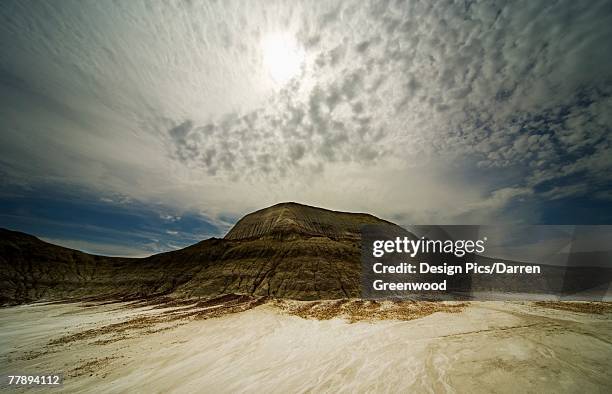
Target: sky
[(135, 127)]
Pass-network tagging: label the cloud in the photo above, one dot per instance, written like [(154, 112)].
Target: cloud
[(419, 111), (169, 218), (97, 248)]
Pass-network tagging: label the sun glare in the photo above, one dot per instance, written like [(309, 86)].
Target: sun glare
[(282, 57)]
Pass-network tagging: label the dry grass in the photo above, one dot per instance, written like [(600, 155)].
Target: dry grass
[(581, 307), (91, 367), (115, 328), (182, 311), (162, 321), (361, 310)]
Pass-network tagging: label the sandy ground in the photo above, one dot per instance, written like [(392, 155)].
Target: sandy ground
[(482, 347)]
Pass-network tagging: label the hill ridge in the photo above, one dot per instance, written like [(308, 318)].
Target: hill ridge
[(289, 218)]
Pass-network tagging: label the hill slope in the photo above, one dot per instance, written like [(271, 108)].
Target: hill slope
[(287, 250), (292, 220)]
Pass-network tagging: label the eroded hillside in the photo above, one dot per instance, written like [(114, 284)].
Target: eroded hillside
[(287, 250)]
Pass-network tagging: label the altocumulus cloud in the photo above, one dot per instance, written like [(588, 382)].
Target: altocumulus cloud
[(417, 111)]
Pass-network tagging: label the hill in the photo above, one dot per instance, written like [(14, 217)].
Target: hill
[(287, 250)]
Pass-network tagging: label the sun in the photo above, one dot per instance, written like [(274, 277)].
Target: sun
[(282, 56)]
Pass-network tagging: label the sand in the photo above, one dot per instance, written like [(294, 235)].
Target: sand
[(483, 347)]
